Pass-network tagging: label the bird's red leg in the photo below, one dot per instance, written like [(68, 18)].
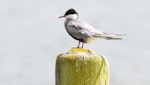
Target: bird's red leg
[(82, 45), (78, 45)]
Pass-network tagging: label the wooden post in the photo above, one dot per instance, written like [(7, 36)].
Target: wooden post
[(81, 67)]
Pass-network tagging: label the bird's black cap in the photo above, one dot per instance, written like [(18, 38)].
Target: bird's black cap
[(71, 11)]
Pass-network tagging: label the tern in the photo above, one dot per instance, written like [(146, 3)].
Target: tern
[(82, 31)]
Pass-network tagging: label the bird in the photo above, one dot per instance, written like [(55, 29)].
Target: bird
[(82, 31)]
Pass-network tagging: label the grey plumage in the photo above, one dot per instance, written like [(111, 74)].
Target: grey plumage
[(84, 32)]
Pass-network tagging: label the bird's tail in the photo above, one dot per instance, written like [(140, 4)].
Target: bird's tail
[(112, 38), (109, 36), (113, 35)]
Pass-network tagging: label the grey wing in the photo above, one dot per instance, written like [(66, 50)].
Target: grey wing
[(87, 31), (79, 30)]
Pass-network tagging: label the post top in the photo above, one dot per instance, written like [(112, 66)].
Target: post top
[(81, 50)]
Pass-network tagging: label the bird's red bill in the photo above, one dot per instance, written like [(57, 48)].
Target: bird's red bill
[(61, 16)]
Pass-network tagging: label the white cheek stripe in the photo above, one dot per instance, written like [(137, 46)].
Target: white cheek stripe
[(72, 16)]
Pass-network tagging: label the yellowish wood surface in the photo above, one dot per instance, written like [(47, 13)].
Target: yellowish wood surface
[(81, 67)]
